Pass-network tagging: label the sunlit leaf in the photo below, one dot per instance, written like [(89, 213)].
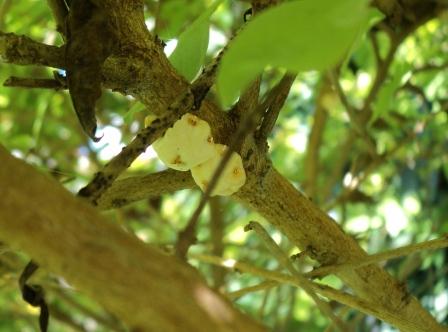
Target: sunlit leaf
[(299, 35), (189, 55), (135, 108)]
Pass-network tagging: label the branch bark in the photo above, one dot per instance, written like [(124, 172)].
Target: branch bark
[(137, 69), (147, 289), (312, 230)]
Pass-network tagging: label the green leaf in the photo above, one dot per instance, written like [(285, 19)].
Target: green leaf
[(298, 36), (135, 108), (192, 44), (385, 99)]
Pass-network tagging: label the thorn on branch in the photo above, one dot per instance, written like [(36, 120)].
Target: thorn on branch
[(34, 294), (90, 40)]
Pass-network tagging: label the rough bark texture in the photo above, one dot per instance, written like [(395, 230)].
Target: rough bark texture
[(147, 289), (314, 231), (140, 68)]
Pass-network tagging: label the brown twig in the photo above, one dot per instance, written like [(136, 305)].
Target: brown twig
[(145, 137), (22, 50), (60, 12), (4, 8), (217, 236), (358, 125), (248, 100), (285, 262), (381, 75), (128, 190), (311, 163), (379, 257), (376, 48), (34, 83), (271, 115), (262, 286), (330, 293)]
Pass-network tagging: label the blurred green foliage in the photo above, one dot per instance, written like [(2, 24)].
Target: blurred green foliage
[(400, 199)]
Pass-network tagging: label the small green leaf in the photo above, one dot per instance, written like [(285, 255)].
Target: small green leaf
[(297, 35), (385, 99), (192, 44), (135, 108)]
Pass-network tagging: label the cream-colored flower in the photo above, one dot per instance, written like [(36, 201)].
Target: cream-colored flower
[(232, 178), (187, 144)]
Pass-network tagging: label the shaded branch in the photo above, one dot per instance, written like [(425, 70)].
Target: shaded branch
[(284, 260), (22, 50), (262, 286), (34, 83), (217, 227), (275, 106), (189, 100), (60, 11), (145, 137), (349, 300), (380, 257), (356, 121), (311, 163), (248, 100), (312, 230), (126, 191)]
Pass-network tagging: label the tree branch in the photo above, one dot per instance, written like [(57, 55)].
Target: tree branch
[(311, 163), (284, 261), (60, 12), (132, 189), (21, 50), (312, 230), (145, 137), (147, 289), (349, 300), (34, 83), (380, 257), (275, 106)]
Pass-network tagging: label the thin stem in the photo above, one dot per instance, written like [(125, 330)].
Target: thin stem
[(34, 83), (330, 293), (265, 285), (379, 257), (285, 261)]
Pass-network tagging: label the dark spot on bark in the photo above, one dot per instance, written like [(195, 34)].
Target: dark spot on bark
[(249, 153), (118, 202)]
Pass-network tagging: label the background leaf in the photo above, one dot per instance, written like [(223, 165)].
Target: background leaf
[(192, 44), (300, 35)]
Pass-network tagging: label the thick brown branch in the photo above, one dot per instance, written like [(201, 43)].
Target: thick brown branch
[(21, 50), (147, 289), (132, 189)]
